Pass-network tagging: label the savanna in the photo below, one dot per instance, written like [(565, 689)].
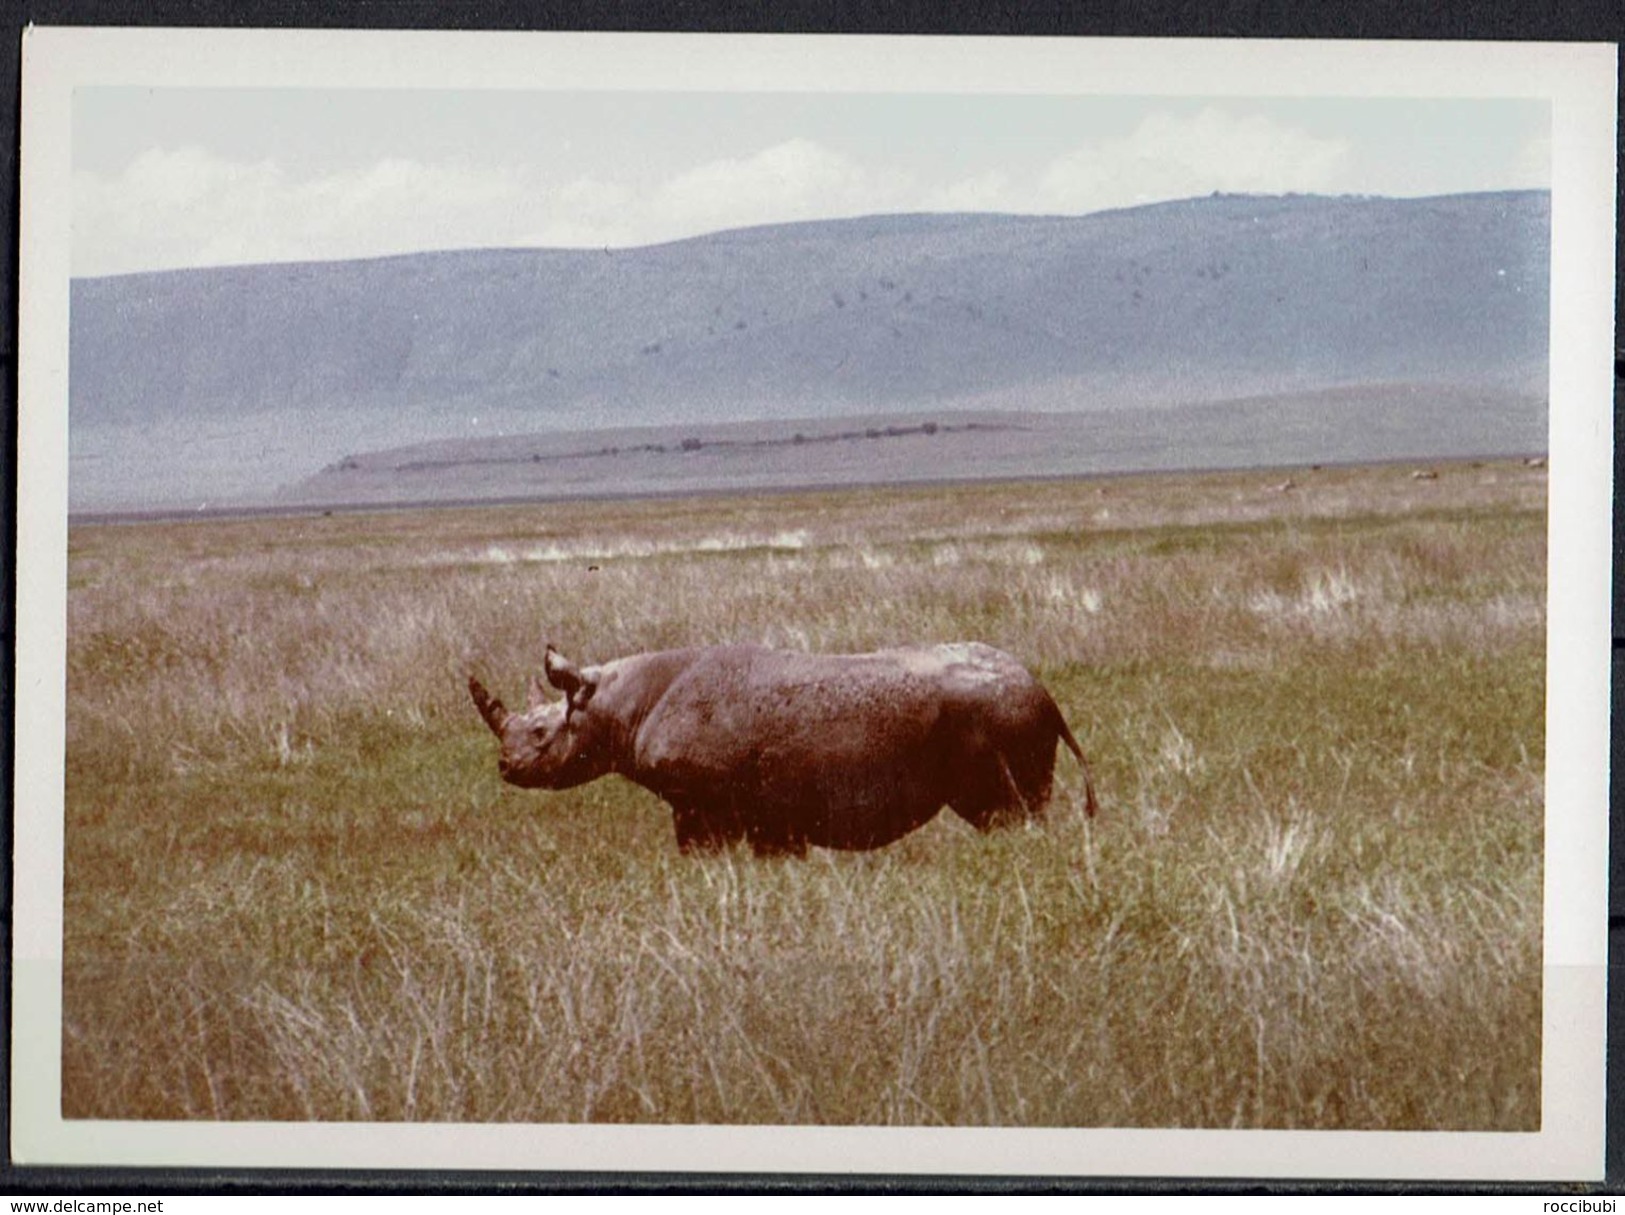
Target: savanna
[(296, 888)]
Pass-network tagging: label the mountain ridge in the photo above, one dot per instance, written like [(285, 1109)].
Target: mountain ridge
[(265, 374)]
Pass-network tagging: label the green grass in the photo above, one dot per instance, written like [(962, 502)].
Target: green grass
[(296, 889)]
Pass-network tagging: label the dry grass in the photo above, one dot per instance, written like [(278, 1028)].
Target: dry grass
[(296, 889)]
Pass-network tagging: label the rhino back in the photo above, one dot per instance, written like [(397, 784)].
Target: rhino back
[(739, 711), (843, 751)]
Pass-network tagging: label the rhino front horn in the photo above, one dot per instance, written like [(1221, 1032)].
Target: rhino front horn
[(489, 706)]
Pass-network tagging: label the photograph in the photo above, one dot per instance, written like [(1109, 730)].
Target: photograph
[(858, 605)]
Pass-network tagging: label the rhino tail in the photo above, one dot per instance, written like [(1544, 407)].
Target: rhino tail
[(1090, 806)]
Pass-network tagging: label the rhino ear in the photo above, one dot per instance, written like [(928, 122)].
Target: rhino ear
[(561, 672), (564, 675)]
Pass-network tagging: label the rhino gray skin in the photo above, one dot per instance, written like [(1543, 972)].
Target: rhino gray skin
[(786, 750)]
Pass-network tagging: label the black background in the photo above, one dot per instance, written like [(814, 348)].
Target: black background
[(1471, 20)]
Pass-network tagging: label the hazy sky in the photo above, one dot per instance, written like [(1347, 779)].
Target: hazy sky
[(168, 178)]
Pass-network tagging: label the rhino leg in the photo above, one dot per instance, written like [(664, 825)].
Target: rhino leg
[(767, 840), (1006, 789), (1035, 781), (703, 830)]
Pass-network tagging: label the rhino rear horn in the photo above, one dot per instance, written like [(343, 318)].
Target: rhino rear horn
[(567, 678), (535, 694), (489, 706)]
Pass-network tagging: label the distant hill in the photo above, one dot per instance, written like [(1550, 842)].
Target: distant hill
[(1361, 425), (235, 382)]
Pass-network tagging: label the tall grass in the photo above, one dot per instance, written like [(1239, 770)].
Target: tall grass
[(296, 889)]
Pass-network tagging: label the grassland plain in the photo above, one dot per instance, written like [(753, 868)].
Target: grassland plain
[(296, 889)]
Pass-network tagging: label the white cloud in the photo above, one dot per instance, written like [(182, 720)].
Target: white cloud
[(130, 222), (584, 212), (1169, 156), (185, 207), (990, 191), (1165, 157), (797, 179), (188, 207)]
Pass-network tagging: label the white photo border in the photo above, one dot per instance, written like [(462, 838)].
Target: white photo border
[(1579, 82)]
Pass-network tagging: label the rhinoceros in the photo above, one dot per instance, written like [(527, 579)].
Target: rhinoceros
[(787, 750)]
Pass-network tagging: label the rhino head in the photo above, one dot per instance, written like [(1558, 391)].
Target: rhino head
[(553, 744)]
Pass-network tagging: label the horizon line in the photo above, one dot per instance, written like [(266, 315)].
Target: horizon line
[(862, 217)]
